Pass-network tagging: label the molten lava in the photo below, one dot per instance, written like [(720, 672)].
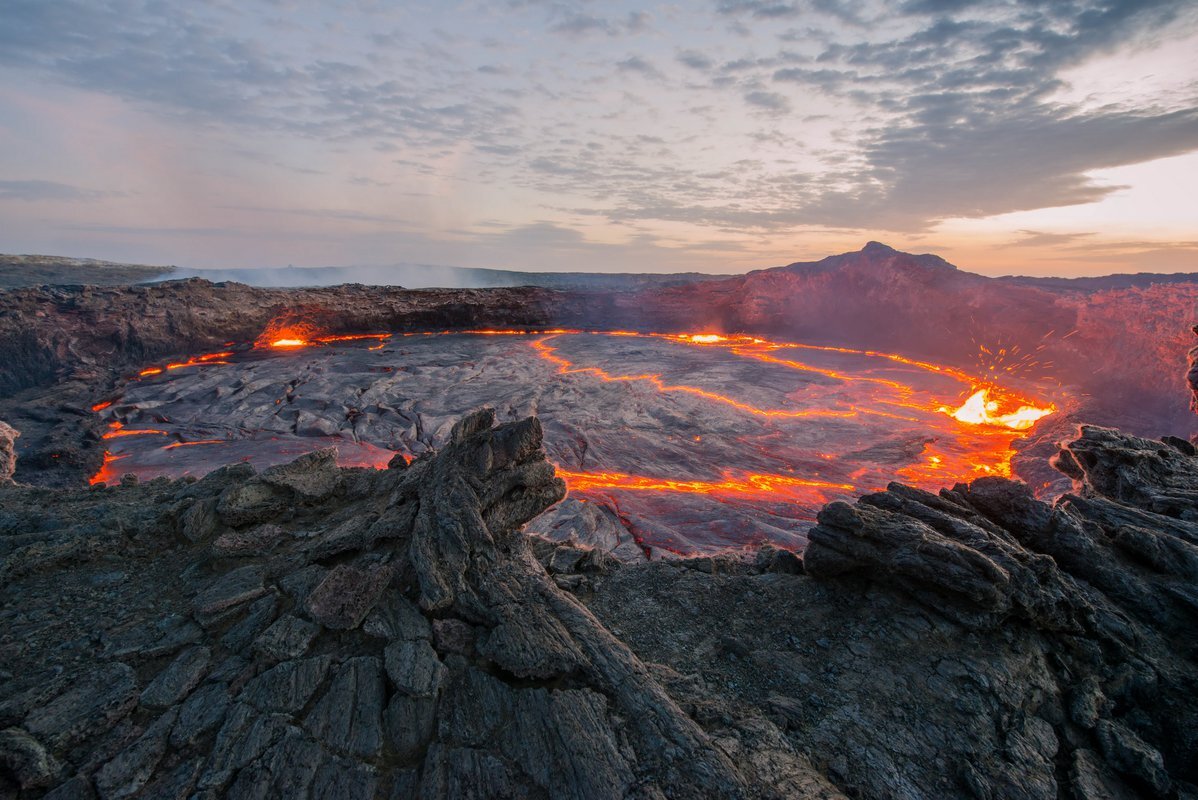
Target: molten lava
[(980, 409), (292, 337), (116, 430), (565, 367), (286, 334), (982, 450), (755, 485), (965, 441), (107, 473), (177, 445), (206, 360)]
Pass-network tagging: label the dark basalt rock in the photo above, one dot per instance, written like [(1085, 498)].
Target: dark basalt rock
[(313, 671), (180, 677), (288, 637), (400, 637), (1102, 579), (101, 698)]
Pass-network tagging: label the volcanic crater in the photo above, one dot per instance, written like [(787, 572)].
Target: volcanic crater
[(670, 444)]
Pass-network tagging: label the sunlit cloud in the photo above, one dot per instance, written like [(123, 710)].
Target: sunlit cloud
[(748, 133)]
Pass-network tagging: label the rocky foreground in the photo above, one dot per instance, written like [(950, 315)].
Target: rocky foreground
[(313, 631)]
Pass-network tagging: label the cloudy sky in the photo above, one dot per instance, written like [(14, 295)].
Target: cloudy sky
[(1056, 137)]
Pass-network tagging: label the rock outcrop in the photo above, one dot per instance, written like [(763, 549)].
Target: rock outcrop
[(1192, 373), (372, 634), (972, 643), (8, 451), (321, 632)]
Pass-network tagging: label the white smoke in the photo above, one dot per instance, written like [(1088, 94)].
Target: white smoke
[(409, 276)]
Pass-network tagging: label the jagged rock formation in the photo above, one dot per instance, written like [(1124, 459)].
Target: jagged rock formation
[(312, 631), (974, 643), (325, 632), (1192, 373), (8, 451)]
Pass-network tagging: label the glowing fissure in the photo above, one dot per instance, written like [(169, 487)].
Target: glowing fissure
[(117, 430), (567, 368), (108, 472), (991, 416), (206, 360), (755, 485), (177, 445)]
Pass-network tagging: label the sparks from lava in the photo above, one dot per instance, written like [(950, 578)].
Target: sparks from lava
[(981, 409)]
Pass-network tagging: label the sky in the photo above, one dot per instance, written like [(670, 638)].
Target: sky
[(1022, 137)]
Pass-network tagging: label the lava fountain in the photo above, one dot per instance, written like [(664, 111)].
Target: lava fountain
[(980, 409)]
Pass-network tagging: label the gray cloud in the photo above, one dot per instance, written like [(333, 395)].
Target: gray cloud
[(582, 24), (1046, 239), (183, 60), (640, 66), (762, 9), (770, 101), (963, 120), (33, 191), (695, 60), (577, 23)]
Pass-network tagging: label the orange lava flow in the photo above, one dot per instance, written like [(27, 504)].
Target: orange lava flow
[(282, 335), (749, 485), (351, 337), (107, 472), (990, 420), (983, 407), (968, 438), (116, 430), (206, 360), (566, 367), (295, 337), (175, 445)]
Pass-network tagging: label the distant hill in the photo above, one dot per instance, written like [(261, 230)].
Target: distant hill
[(424, 276), (35, 270), (28, 270), (1104, 282)]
